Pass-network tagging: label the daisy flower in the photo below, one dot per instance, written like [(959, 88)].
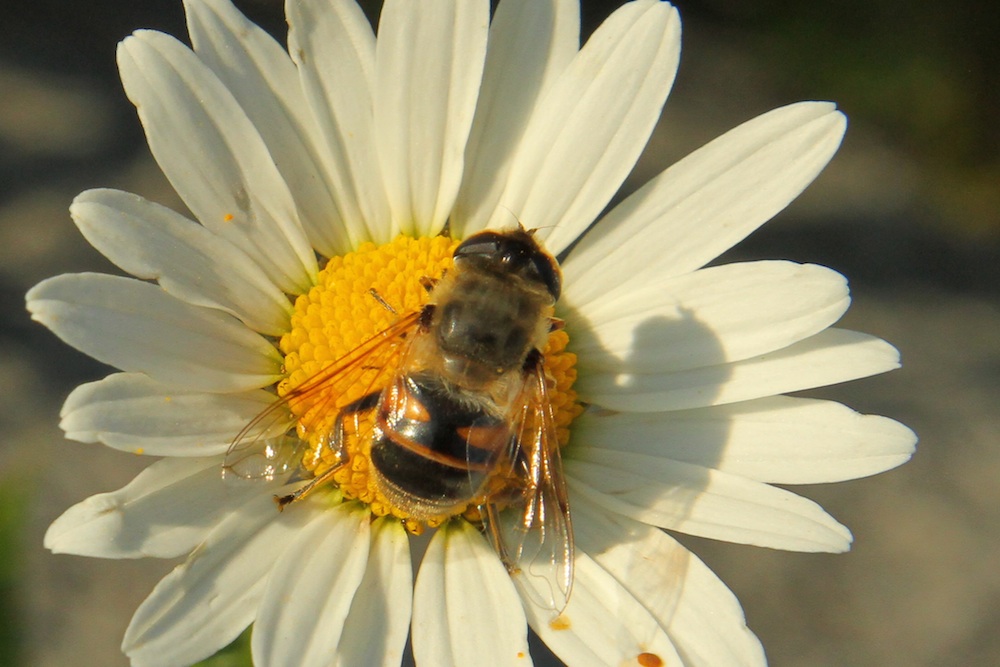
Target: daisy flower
[(350, 165)]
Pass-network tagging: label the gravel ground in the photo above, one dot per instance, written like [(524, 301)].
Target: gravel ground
[(920, 587)]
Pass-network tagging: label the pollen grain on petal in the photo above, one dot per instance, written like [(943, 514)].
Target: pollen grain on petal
[(560, 622), (649, 660)]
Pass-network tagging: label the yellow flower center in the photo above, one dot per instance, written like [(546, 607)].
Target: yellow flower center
[(356, 297)]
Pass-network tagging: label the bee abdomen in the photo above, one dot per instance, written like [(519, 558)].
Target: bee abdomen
[(436, 445)]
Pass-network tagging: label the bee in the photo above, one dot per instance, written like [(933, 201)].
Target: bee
[(464, 418)]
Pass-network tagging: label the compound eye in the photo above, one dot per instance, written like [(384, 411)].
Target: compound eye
[(484, 244), (547, 272), (515, 252)]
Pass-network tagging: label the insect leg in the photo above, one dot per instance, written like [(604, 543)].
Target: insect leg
[(337, 443), (492, 524)]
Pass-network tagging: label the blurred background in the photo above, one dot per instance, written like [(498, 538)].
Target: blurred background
[(909, 211)]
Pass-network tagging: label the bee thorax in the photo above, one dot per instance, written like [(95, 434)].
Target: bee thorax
[(488, 324)]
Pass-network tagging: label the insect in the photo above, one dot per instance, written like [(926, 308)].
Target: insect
[(464, 418)]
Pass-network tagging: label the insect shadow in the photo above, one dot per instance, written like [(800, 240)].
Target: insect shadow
[(674, 361)]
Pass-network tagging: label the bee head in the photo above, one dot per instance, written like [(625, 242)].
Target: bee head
[(514, 252)]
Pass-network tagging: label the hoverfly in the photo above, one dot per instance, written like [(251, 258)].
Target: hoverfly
[(464, 418)]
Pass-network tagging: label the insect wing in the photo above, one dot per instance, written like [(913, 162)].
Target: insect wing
[(267, 448), (533, 534), (264, 450)]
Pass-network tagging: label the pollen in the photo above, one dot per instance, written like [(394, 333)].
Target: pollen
[(649, 660), (332, 382), (560, 622)]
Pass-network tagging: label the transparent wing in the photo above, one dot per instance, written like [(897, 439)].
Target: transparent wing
[(273, 444), (264, 459), (532, 531)]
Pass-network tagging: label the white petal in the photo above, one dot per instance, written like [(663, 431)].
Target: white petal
[(333, 46), (829, 357), (700, 614), (593, 123), (719, 314), (379, 621), (263, 79), (530, 44), (209, 599), (310, 589), (166, 511), (131, 412), (701, 501), (428, 69), (465, 607), (189, 261), (776, 439), (136, 326), (214, 157), (707, 202), (602, 625)]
